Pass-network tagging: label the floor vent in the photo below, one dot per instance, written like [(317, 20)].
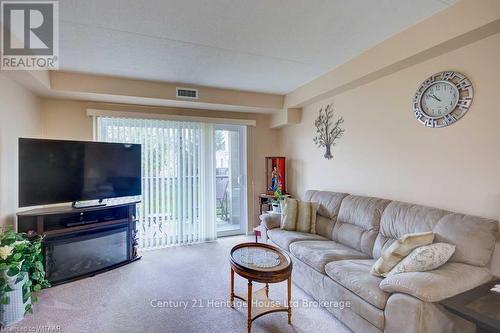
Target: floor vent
[(186, 93)]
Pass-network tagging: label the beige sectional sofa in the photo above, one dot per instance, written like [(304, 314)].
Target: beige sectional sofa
[(352, 231)]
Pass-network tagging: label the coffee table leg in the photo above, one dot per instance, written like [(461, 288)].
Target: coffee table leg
[(249, 304), (290, 300), (232, 288)]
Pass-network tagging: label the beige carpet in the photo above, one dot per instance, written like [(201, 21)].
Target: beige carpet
[(120, 300)]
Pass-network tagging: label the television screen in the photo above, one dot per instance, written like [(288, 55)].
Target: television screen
[(56, 171)]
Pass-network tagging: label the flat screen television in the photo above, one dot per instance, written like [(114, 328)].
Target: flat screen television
[(59, 171)]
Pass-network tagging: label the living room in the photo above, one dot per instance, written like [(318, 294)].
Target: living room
[(250, 166)]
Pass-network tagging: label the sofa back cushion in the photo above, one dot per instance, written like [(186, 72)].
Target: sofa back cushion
[(328, 209), (401, 218), (474, 237), (358, 222)]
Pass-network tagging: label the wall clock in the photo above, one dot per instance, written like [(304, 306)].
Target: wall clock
[(442, 99)]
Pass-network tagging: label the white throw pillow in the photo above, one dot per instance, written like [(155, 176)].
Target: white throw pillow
[(314, 213), (289, 211), (398, 250), (306, 216), (424, 258)]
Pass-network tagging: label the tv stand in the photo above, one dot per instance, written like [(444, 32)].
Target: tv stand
[(83, 242), (87, 204)]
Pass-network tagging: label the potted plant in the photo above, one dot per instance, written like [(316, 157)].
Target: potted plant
[(21, 271), (278, 198)]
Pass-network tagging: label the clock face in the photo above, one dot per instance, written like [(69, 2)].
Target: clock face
[(439, 99), (442, 99)]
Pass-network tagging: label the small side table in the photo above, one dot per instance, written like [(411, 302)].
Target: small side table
[(265, 200), (479, 305)]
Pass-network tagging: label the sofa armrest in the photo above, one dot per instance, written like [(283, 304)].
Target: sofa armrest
[(270, 221), (433, 286), (405, 313)]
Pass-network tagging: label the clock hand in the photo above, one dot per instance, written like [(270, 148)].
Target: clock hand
[(434, 96)]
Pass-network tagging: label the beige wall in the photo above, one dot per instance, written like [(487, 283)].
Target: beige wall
[(386, 153), (64, 119), (19, 117), (132, 91), (449, 29)]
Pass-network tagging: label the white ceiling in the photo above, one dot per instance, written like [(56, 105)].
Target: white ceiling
[(270, 46)]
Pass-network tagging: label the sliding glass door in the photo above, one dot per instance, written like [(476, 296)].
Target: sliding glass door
[(193, 178), (230, 179), (178, 182)]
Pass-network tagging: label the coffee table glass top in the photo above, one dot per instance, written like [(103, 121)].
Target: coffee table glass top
[(259, 258)]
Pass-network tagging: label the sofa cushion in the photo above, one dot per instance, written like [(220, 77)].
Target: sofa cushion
[(324, 226), (355, 276), (424, 258), (474, 237), (289, 211), (306, 216), (361, 309), (400, 249), (400, 218), (345, 305), (319, 253), (358, 222), (284, 238), (329, 202), (433, 286), (328, 209)]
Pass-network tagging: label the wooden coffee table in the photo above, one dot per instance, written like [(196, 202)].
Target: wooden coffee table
[(262, 263)]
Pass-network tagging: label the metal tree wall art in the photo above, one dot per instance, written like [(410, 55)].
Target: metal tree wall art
[(326, 131)]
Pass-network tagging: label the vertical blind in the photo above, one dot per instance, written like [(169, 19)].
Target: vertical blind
[(178, 178)]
